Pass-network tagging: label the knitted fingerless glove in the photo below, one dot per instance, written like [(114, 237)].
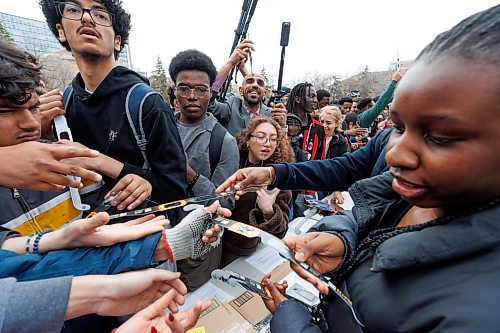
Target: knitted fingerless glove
[(185, 238)]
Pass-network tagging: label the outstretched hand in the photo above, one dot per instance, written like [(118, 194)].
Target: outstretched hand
[(130, 191), (38, 166), (124, 293), (243, 178), (94, 231)]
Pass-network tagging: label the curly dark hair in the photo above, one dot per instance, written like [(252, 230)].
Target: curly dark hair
[(121, 19), (283, 152), (192, 60), (19, 74)]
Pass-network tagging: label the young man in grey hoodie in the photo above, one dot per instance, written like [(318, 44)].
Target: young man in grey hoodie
[(193, 73)]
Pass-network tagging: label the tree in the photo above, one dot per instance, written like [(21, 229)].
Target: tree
[(4, 33), (57, 71), (265, 76), (328, 82), (159, 80)]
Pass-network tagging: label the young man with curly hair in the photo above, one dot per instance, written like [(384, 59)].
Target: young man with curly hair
[(95, 32)]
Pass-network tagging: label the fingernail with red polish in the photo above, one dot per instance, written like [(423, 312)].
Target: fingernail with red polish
[(153, 330), (171, 317)]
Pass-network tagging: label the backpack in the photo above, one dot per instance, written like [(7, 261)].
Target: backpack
[(136, 96), (215, 147)]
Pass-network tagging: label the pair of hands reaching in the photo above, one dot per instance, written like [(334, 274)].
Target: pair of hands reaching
[(43, 167), (153, 318), (243, 178), (134, 189), (131, 190), (95, 232), (322, 251), (127, 293)]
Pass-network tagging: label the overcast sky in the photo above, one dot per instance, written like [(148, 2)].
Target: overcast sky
[(327, 36)]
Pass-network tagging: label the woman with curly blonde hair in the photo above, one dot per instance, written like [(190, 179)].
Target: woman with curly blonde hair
[(262, 142)]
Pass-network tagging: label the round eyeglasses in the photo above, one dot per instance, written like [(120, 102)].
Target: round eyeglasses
[(72, 11), (262, 139), (199, 91)]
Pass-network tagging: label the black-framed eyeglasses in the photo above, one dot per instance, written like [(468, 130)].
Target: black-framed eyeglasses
[(262, 139), (199, 91), (72, 11)]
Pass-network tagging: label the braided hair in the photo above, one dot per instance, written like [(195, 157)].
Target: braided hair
[(300, 91)]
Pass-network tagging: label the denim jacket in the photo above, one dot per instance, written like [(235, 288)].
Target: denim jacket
[(121, 257)]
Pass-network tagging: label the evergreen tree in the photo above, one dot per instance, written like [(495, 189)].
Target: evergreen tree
[(159, 80), (5, 33), (265, 76)]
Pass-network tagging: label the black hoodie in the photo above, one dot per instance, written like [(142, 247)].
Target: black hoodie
[(99, 121)]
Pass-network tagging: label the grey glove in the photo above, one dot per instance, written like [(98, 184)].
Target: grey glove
[(185, 238)]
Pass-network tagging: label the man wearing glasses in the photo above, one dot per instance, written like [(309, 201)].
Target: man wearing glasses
[(95, 32), (211, 151)]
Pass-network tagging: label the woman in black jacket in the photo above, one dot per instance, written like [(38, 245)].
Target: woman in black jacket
[(336, 144), (420, 250)]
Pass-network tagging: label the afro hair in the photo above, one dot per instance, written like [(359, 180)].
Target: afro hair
[(192, 60)]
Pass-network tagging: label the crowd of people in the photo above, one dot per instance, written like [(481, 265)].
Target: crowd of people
[(420, 244)]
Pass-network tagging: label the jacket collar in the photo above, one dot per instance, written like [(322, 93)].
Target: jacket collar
[(206, 125), (459, 235), (238, 103)]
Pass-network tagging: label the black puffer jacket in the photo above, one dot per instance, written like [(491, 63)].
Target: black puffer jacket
[(443, 278)]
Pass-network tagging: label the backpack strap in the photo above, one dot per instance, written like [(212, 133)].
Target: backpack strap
[(133, 107), (67, 95), (215, 146)]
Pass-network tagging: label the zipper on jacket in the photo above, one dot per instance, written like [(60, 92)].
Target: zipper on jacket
[(25, 207)]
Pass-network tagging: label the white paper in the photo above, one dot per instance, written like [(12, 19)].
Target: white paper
[(265, 259), (205, 292), (301, 290), (348, 203)]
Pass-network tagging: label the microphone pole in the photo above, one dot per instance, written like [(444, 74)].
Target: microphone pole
[(285, 34), (247, 11)]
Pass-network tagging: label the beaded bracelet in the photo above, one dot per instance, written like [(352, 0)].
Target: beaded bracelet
[(167, 247), (37, 240), (28, 241)]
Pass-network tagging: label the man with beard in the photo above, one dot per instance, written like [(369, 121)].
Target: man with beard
[(95, 32), (236, 112)]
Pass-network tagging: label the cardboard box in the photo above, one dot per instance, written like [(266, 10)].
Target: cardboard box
[(221, 317)]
